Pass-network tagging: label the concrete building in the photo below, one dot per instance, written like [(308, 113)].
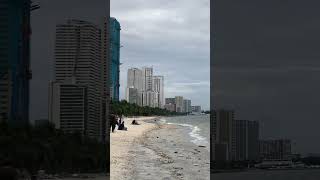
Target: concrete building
[(115, 58), (246, 136), (149, 98), (196, 109), (158, 88), (179, 104), (277, 149), (133, 96), (79, 62), (150, 88), (170, 101), (15, 72), (222, 132), (134, 86), (170, 107), (134, 78), (147, 79), (68, 108), (187, 106)]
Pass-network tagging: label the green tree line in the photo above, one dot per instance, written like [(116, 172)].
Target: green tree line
[(128, 109)]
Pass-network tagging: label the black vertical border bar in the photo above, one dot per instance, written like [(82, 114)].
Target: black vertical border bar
[(108, 106)]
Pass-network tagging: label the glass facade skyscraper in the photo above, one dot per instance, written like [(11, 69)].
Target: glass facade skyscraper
[(115, 58)]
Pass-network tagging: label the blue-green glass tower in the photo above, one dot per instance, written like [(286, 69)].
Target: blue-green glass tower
[(14, 60), (115, 58)]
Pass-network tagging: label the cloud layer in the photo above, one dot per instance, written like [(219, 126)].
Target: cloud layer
[(173, 37)]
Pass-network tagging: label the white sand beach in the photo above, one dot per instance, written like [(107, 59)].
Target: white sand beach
[(156, 151), (122, 143)]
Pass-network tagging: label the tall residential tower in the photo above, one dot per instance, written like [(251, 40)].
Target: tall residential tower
[(78, 78)]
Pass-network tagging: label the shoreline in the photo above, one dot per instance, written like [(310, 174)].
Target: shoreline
[(153, 149)]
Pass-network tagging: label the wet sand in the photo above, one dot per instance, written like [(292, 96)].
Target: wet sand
[(157, 151)]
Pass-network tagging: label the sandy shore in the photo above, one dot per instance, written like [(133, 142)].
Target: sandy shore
[(156, 151), (122, 142)]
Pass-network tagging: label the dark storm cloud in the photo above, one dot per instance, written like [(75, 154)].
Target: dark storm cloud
[(43, 23), (169, 36), (266, 66)]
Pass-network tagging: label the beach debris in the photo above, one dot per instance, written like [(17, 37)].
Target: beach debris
[(157, 137), (196, 164), (175, 152), (202, 146)]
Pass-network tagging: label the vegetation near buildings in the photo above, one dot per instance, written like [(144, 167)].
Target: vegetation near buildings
[(127, 109), (35, 148)]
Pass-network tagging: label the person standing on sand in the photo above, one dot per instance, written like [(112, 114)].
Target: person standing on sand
[(113, 122)]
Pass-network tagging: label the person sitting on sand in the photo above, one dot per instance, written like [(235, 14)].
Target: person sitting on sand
[(122, 127), (134, 122)]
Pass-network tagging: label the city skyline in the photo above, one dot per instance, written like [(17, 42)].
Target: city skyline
[(171, 40)]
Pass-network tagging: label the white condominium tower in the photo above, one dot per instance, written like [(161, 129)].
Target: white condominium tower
[(134, 86), (147, 74), (158, 88), (79, 71)]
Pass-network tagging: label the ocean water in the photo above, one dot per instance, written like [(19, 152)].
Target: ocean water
[(198, 127)]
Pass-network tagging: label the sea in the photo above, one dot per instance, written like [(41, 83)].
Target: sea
[(198, 127)]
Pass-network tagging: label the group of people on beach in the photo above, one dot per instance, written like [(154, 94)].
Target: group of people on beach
[(116, 120)]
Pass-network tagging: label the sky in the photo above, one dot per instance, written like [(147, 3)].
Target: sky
[(172, 36), (266, 67), (165, 34)]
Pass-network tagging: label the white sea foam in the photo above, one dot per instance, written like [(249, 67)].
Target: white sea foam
[(196, 138)]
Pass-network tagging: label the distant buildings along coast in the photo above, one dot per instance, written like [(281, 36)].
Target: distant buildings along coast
[(145, 89), (238, 140)]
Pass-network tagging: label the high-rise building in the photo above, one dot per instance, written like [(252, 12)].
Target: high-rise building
[(133, 96), (15, 60), (147, 78), (223, 140), (276, 149), (179, 104), (134, 86), (78, 61), (187, 106), (149, 98), (134, 79), (68, 108), (115, 58), (246, 137), (158, 88)]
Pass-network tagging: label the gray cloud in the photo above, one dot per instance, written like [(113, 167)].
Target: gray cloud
[(172, 38)]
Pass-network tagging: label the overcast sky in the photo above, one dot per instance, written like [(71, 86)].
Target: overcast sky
[(266, 66), (173, 36)]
